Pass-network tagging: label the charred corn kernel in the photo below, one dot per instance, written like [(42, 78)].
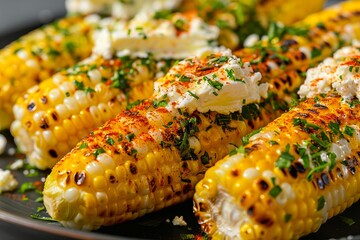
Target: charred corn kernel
[(65, 108), (312, 172), (38, 55), (234, 17)]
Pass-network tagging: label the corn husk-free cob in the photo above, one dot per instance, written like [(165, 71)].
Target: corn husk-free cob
[(56, 114), (150, 157), (238, 19), (270, 59), (298, 171), (38, 55)]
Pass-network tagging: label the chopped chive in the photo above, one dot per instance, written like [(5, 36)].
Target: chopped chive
[(272, 142), (287, 217), (83, 145), (98, 151), (193, 95), (349, 131), (130, 137), (285, 159), (275, 191), (110, 141), (39, 217), (320, 203)]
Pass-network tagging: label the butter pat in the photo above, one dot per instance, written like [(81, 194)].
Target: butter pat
[(176, 38), (120, 9), (226, 87)]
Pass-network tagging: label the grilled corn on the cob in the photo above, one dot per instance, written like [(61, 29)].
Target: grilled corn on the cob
[(54, 115), (238, 19), (149, 157), (269, 59), (86, 96), (38, 55), (298, 171)]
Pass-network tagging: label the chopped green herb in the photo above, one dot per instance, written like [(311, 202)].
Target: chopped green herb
[(133, 104), (240, 149), (27, 186), (130, 137), (134, 152), (275, 191), (315, 52), (161, 103), (70, 47), (39, 217), (83, 145), (272, 142), (193, 95), (348, 221), (163, 14), (245, 139), (349, 131), (179, 24), (89, 90), (110, 141), (79, 85), (39, 199), (67, 94), (40, 209), (320, 203), (335, 128), (215, 84), (184, 78), (205, 158), (98, 151), (285, 159), (287, 217), (165, 144)]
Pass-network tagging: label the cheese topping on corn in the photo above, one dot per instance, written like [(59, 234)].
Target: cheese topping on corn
[(226, 90), (344, 77), (120, 9), (176, 38)]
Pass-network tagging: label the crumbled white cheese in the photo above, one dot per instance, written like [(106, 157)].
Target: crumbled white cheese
[(341, 72), (17, 164), (179, 221), (160, 37), (7, 181), (120, 9), (3, 143), (225, 90)]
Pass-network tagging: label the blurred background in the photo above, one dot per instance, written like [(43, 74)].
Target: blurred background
[(20, 16)]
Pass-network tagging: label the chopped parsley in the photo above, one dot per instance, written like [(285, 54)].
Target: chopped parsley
[(246, 138), (39, 217), (285, 159)]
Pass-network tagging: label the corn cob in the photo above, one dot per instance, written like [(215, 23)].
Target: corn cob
[(294, 174), (30, 135), (127, 79), (37, 56), (54, 115), (146, 158), (120, 9), (239, 19), (270, 191), (149, 158)]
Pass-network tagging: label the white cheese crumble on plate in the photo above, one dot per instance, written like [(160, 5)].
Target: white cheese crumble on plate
[(7, 181)]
